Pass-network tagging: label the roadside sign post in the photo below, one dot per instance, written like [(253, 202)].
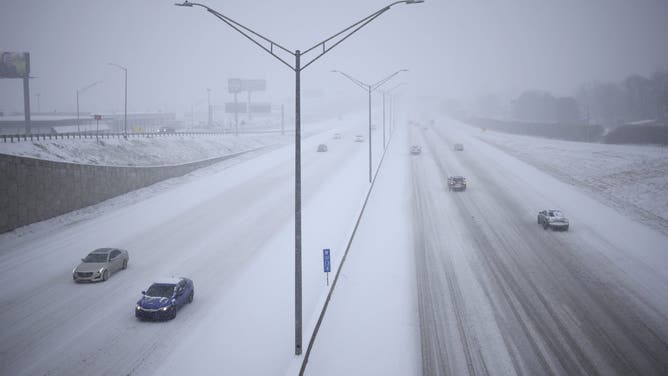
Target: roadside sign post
[(326, 263)]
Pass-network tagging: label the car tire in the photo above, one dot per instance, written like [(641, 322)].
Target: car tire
[(539, 221), (566, 228), (191, 297), (545, 225), (173, 314), (125, 264), (105, 275)]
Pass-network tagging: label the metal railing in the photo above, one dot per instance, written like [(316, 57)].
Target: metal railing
[(92, 135)]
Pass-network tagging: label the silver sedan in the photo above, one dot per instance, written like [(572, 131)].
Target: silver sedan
[(100, 264)]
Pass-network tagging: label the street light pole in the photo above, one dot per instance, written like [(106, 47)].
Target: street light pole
[(391, 101), (208, 99), (370, 88), (125, 115), (383, 120), (81, 91), (272, 48)]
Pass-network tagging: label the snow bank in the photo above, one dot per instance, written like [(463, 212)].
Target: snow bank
[(633, 179)]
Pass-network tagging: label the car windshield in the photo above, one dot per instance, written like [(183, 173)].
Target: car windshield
[(160, 291), (96, 257), (556, 213)]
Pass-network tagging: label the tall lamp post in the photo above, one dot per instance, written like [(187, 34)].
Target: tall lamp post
[(369, 88), (208, 101), (322, 48), (125, 116), (387, 92), (81, 91)]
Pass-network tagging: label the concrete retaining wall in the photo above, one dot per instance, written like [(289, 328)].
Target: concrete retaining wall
[(33, 190)]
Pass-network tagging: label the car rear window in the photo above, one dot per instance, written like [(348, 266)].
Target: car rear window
[(160, 291)]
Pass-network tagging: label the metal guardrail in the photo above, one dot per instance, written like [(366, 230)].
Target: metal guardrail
[(92, 135)]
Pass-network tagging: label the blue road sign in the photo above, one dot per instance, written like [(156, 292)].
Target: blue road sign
[(325, 259)]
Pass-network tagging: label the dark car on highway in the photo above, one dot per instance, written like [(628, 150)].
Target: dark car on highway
[(456, 183), (164, 298), (553, 219)]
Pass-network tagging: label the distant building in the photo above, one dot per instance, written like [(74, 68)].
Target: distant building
[(67, 123)]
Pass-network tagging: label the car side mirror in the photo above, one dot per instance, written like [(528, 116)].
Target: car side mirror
[(82, 260), (143, 292)]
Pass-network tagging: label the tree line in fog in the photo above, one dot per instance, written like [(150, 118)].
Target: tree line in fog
[(611, 104)]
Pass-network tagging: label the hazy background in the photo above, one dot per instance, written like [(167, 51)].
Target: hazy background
[(456, 48)]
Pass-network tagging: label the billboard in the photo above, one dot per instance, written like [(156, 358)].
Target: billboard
[(14, 64), (232, 108), (260, 108), (234, 85), (237, 85)]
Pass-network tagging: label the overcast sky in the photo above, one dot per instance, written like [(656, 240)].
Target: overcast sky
[(454, 48)]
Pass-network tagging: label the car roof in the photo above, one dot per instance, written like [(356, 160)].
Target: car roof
[(103, 250), (167, 281)]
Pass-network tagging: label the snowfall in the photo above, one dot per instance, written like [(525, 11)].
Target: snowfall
[(230, 227)]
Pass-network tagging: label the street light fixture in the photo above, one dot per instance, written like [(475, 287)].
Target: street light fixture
[(369, 89), (323, 47), (81, 91), (125, 117)]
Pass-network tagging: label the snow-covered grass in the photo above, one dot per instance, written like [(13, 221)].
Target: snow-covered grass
[(633, 179), (157, 150)]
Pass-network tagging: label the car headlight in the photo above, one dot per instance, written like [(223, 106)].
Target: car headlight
[(137, 307), (100, 271), (74, 270), (164, 308)]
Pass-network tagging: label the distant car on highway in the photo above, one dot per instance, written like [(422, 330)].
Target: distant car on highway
[(456, 183), (359, 138), (322, 148), (166, 130), (416, 149), (459, 147), (164, 298), (100, 264), (553, 219), (337, 136)]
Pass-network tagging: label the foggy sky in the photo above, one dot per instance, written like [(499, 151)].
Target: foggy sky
[(454, 48)]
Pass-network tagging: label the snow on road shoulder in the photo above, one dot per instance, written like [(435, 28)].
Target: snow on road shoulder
[(376, 292), (633, 179)]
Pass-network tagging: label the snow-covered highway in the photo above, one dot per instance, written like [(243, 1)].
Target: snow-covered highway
[(209, 226), (499, 295), (436, 283)]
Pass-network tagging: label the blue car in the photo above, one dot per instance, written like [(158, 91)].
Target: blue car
[(164, 298)]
